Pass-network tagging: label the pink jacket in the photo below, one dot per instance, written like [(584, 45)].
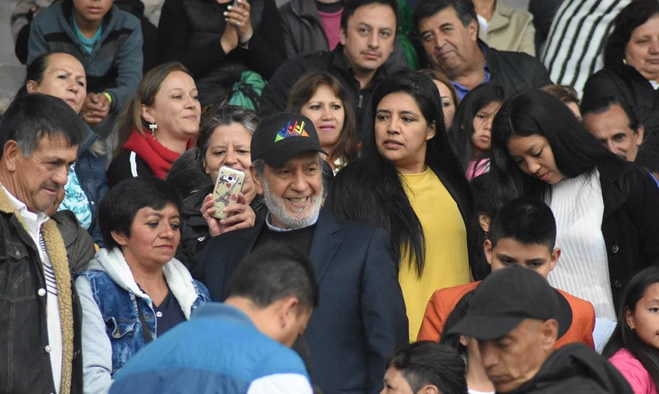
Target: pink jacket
[(632, 369)]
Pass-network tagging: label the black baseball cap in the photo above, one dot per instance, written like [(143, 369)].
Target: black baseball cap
[(282, 136), (507, 297)]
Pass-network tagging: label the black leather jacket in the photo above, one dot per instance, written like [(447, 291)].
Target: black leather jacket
[(515, 70)]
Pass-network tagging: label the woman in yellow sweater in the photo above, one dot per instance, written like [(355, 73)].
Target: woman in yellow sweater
[(409, 182)]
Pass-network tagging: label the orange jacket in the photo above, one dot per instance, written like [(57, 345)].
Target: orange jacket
[(443, 302)]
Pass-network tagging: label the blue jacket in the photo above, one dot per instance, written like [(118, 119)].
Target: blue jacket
[(90, 170), (115, 64), (112, 332), (218, 351)]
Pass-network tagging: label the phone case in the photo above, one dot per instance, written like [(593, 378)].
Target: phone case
[(228, 186)]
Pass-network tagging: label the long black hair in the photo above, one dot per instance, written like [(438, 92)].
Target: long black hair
[(370, 189), (623, 336), (534, 112), (462, 129)]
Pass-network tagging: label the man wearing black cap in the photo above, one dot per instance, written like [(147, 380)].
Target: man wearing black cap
[(516, 317), (360, 318)]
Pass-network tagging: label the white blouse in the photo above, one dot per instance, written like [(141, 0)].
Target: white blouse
[(583, 268)]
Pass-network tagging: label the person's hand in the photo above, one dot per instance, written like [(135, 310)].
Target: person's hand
[(239, 215), (95, 108), (238, 16), (229, 39)]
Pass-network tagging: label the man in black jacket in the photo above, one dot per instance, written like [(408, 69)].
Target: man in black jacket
[(448, 30), (368, 32), (40, 319), (516, 317)]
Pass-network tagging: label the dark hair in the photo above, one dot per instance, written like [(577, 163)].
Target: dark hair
[(185, 176), (223, 115), (439, 76), (460, 310), (118, 208), (480, 190), (534, 112), (462, 129), (370, 189), (623, 336), (427, 8), (429, 363), (527, 220), (36, 69), (632, 16), (273, 272), (303, 91), (131, 115), (599, 105), (34, 116), (566, 93), (350, 6)]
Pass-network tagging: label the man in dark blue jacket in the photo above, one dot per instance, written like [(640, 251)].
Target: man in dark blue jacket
[(360, 318)]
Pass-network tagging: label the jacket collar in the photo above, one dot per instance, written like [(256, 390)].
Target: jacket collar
[(57, 254), (501, 17), (615, 191), (326, 241), (338, 61), (305, 8), (178, 278)]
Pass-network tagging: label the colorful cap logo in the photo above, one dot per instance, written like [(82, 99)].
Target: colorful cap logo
[(291, 130)]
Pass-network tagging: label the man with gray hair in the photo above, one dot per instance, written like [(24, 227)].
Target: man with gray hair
[(40, 320), (360, 318)]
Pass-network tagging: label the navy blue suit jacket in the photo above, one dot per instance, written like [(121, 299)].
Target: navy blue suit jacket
[(360, 318)]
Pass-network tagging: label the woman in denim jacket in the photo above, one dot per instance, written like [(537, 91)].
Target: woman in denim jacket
[(134, 290)]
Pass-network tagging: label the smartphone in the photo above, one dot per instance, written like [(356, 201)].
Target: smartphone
[(228, 186)]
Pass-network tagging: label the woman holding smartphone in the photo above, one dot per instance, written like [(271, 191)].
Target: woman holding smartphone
[(224, 140)]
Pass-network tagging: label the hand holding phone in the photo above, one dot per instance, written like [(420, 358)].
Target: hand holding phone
[(227, 188)]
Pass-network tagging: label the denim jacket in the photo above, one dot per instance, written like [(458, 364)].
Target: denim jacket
[(110, 298)]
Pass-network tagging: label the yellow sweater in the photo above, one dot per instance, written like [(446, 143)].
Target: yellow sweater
[(446, 262)]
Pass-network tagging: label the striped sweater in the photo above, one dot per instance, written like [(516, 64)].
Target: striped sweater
[(115, 64)]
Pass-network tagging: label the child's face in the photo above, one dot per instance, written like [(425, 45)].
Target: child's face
[(481, 138), (509, 251), (92, 10), (645, 317)]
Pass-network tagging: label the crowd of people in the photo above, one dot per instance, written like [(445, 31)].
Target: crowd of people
[(416, 202)]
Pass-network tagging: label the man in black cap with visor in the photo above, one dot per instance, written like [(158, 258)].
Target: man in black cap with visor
[(516, 316), (360, 318)]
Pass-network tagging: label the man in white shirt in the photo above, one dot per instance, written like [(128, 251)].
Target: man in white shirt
[(39, 325)]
